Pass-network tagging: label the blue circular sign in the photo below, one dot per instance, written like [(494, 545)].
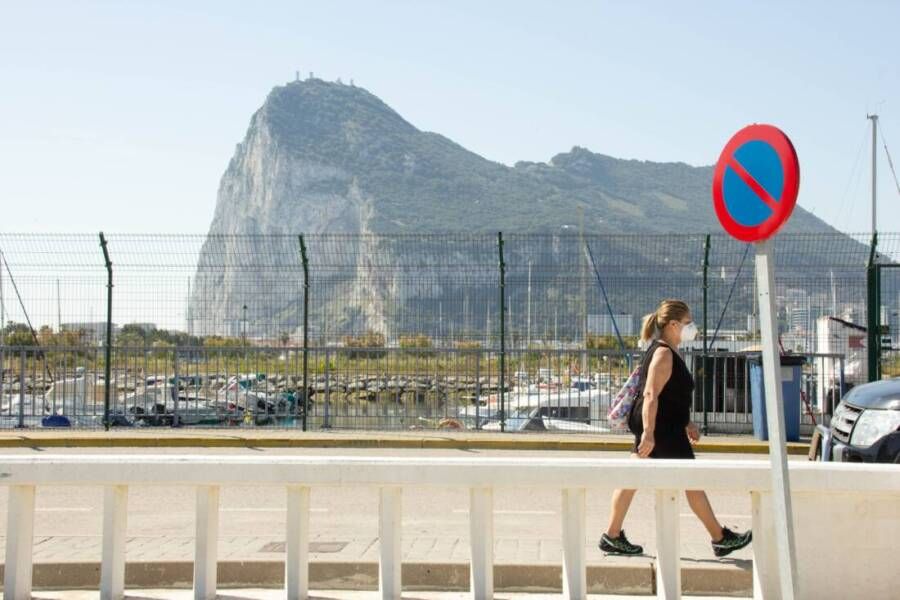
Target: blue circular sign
[(755, 183)]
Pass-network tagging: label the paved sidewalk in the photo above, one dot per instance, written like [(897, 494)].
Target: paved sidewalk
[(324, 547), (352, 563)]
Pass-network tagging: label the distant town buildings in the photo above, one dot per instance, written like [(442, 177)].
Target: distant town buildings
[(312, 76), (94, 331), (603, 324)]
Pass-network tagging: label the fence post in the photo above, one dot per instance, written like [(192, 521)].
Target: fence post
[(478, 386), (389, 532), (296, 564), (573, 535), (705, 392), (206, 541), (176, 388), (326, 421), (115, 516), (668, 545), (481, 538), (108, 348), (19, 542), (840, 394), (502, 332), (873, 297), (305, 262), (22, 390), (2, 360)]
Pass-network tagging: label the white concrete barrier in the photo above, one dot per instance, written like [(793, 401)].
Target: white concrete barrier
[(847, 516)]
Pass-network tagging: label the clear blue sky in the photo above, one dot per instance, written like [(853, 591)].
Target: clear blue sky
[(122, 116)]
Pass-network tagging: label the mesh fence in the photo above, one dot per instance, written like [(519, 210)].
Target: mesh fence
[(403, 327), (443, 289)]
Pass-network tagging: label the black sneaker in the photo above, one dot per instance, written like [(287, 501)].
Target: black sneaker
[(619, 545), (731, 541)]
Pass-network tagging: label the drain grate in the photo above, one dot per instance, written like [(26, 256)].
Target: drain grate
[(319, 547)]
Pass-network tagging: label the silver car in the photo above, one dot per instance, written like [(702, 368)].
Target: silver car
[(865, 426)]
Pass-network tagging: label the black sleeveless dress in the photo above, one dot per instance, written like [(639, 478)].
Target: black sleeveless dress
[(673, 411)]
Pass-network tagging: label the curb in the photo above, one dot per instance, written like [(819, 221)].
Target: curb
[(305, 440), (637, 579)]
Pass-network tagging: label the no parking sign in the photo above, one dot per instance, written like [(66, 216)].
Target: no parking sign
[(754, 191), (755, 183)]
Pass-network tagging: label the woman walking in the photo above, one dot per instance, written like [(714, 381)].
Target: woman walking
[(660, 421)]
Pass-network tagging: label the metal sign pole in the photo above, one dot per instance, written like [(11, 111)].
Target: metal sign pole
[(781, 485)]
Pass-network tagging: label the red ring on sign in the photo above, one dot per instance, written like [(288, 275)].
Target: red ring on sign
[(790, 166)]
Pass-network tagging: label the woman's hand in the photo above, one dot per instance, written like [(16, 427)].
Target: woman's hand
[(648, 442), (693, 433)]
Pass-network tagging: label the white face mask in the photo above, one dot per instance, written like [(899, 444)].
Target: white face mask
[(689, 332)]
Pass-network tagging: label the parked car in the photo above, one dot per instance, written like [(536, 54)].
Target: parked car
[(865, 426)]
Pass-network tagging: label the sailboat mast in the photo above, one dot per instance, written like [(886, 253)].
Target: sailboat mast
[(833, 295), (58, 309), (874, 119)]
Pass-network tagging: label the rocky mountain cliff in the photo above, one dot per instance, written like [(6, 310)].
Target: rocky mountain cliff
[(323, 157), (327, 157)]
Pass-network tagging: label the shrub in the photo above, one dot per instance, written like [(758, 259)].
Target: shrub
[(418, 343), (364, 346)]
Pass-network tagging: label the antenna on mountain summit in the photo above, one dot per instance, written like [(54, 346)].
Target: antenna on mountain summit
[(297, 76)]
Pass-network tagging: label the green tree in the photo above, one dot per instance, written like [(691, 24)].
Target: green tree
[(46, 337), (18, 334)]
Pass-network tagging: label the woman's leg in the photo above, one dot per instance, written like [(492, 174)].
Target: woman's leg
[(699, 503), (621, 500)]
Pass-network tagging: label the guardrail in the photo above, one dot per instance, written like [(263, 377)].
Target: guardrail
[(572, 476)]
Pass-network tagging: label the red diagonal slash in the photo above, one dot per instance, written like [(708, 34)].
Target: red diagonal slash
[(754, 185)]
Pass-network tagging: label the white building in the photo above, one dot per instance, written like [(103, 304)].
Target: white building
[(94, 330), (603, 324)]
